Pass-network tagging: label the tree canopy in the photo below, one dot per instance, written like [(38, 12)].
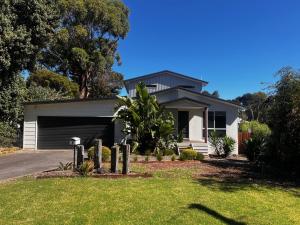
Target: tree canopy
[(46, 78), (255, 105), (25, 28), (84, 47), (284, 121)]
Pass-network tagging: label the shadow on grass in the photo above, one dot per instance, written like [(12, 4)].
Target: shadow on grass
[(215, 214), (235, 175)]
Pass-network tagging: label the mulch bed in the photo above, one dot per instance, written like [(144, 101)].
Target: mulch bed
[(72, 174)]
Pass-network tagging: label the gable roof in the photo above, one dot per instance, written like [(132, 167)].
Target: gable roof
[(200, 94), (202, 82), (186, 99)]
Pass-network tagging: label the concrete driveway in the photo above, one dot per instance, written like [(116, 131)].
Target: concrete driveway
[(28, 162)]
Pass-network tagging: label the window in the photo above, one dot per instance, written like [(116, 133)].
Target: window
[(216, 122), (151, 85), (187, 86)]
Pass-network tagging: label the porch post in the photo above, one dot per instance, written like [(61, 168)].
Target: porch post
[(206, 124)]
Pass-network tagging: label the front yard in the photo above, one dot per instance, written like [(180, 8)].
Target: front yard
[(178, 193)]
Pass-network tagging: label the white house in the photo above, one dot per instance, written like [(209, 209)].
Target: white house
[(49, 125)]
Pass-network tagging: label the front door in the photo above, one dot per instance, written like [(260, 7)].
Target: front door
[(183, 123)]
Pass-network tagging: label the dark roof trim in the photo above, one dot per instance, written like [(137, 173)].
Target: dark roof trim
[(68, 101), (185, 98), (194, 92), (169, 72)]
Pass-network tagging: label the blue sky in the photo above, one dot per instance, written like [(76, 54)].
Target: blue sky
[(235, 45)]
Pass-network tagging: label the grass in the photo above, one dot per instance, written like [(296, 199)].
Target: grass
[(171, 197)]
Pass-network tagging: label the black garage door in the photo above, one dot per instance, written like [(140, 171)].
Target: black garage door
[(55, 132)]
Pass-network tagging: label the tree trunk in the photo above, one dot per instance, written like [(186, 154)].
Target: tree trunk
[(83, 85)]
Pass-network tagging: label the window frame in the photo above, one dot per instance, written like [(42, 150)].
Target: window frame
[(214, 128)]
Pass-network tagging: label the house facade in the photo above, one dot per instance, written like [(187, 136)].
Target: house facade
[(49, 125)]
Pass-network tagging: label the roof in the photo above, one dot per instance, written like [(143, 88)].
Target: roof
[(168, 72), (185, 99), (198, 93), (68, 100)]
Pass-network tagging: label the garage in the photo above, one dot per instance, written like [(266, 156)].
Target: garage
[(54, 132)]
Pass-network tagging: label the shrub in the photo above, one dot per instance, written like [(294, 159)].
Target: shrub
[(255, 147), (86, 168), (135, 158), (106, 152), (228, 145), (159, 157), (173, 158), (67, 166), (188, 154), (168, 151), (91, 152), (7, 135), (216, 142), (256, 128), (147, 158), (199, 156)]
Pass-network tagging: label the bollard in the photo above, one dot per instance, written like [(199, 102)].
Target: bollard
[(80, 155), (114, 159), (98, 156), (126, 159)]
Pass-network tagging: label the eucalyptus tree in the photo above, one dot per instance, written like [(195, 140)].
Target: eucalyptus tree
[(84, 47), (26, 27), (149, 125)]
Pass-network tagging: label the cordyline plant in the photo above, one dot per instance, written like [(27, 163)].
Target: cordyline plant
[(149, 126)]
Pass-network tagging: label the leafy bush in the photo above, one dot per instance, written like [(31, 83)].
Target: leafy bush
[(173, 158), (255, 147), (223, 146), (86, 168), (147, 158), (216, 142), (199, 156), (7, 135), (256, 128), (188, 154), (67, 166), (91, 152), (228, 145), (148, 123), (106, 153), (168, 151), (159, 157)]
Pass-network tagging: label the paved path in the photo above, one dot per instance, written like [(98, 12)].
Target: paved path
[(28, 162)]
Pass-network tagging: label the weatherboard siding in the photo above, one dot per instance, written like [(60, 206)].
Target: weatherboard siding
[(97, 108), (162, 82)]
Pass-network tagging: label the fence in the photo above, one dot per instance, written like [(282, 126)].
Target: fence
[(243, 136)]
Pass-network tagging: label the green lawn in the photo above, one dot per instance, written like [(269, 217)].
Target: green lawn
[(170, 197)]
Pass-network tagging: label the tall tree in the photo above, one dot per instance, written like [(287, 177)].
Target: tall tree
[(255, 105), (284, 121), (85, 45), (25, 28)]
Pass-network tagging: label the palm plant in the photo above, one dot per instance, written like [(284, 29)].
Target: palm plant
[(148, 124)]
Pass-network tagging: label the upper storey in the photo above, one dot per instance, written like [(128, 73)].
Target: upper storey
[(164, 80)]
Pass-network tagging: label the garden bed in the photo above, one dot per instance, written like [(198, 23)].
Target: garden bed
[(5, 151), (72, 174)]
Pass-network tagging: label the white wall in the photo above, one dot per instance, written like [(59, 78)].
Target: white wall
[(162, 81), (195, 124), (97, 108)]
